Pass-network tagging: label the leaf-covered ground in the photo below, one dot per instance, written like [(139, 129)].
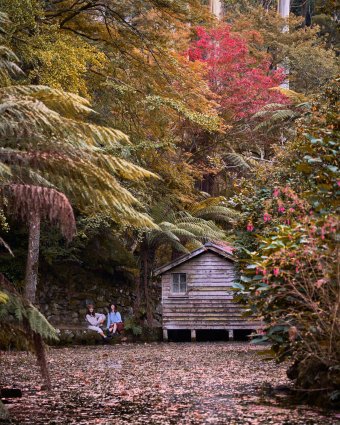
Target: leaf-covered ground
[(198, 383)]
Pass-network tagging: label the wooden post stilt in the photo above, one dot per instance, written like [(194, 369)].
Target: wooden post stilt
[(193, 335), (231, 334), (165, 335)]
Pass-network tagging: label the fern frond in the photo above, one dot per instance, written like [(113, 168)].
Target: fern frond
[(218, 213), (7, 62), (122, 168), (267, 109), (21, 126), (179, 247), (67, 104), (207, 203), (5, 172), (39, 324), (3, 297), (45, 202), (277, 116), (238, 160), (16, 308)]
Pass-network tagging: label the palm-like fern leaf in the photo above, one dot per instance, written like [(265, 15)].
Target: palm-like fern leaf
[(213, 208), (14, 309), (49, 203), (29, 120), (66, 153), (239, 160), (275, 117), (67, 104), (178, 228)]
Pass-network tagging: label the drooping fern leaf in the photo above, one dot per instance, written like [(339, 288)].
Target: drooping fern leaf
[(14, 309)]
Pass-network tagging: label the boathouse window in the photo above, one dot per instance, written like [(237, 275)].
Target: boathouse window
[(179, 283)]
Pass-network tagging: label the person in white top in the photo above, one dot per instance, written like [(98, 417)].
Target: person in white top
[(95, 320)]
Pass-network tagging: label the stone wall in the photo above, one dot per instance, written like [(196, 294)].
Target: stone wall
[(64, 292)]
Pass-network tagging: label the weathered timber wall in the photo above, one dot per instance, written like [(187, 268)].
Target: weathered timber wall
[(208, 302)]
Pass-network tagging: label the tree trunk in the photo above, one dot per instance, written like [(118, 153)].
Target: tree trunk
[(31, 278), (216, 7), (146, 278), (31, 281), (40, 353), (138, 301), (283, 8)]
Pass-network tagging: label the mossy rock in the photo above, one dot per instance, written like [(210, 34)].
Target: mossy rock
[(80, 335), (83, 336), (77, 336)]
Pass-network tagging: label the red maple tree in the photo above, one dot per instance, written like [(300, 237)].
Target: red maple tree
[(243, 82)]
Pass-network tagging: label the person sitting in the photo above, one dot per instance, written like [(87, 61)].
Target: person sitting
[(95, 320), (114, 320)]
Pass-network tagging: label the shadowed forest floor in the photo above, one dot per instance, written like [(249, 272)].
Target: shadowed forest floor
[(182, 383)]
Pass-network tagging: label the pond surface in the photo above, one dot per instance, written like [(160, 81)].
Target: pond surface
[(175, 383)]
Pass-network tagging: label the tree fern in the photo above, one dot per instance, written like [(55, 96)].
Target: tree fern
[(51, 155), (69, 154), (48, 203)]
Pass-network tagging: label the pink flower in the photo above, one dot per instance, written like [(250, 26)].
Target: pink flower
[(323, 232), (281, 209), (320, 282), (264, 272), (250, 227), (291, 210), (266, 217), (276, 271), (338, 182), (276, 192)]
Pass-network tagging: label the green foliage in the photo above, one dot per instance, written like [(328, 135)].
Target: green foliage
[(131, 325), (311, 62), (288, 255), (206, 122), (180, 228), (84, 155), (19, 318)]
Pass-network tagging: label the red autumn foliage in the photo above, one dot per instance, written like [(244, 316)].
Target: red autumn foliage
[(243, 82)]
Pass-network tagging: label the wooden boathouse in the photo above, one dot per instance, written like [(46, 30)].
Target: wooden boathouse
[(197, 295)]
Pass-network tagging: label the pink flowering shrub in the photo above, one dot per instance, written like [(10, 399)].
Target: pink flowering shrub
[(289, 262)]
